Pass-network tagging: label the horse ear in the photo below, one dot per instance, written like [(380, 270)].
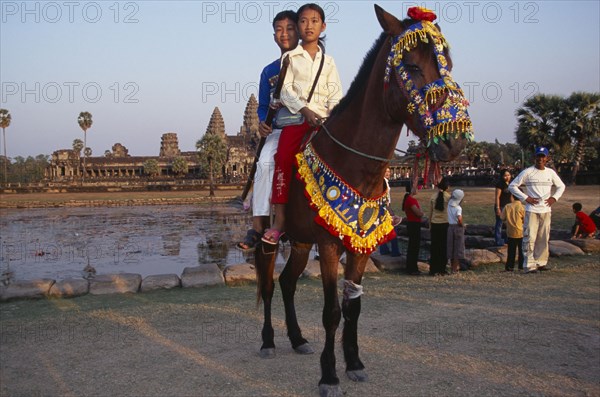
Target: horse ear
[(390, 24)]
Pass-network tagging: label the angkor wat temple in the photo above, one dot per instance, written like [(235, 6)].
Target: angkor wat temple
[(66, 165)]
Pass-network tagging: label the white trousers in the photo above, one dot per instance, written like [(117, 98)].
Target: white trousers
[(536, 233), (263, 179)]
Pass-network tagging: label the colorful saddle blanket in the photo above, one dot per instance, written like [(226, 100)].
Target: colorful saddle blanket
[(361, 223)]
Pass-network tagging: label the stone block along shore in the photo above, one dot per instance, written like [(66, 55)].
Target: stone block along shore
[(211, 275)]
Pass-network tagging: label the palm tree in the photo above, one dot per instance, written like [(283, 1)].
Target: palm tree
[(85, 122), (4, 123), (581, 124), (212, 154), (538, 123), (77, 146)]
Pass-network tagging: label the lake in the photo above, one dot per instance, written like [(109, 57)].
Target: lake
[(58, 243)]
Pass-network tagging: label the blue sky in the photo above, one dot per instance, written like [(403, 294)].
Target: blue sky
[(144, 68)]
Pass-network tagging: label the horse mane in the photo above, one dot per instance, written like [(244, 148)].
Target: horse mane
[(362, 75)]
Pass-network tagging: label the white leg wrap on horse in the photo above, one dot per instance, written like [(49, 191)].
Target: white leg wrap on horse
[(352, 290)]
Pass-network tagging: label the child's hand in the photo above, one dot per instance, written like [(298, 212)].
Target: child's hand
[(264, 130), (311, 117)]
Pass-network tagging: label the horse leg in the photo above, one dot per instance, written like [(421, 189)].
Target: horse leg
[(329, 254), (288, 281), (265, 255), (355, 267)]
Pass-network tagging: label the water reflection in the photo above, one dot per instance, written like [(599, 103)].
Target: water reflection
[(58, 243), (171, 244)]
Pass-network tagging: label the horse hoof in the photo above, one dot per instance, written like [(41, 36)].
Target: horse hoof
[(304, 348), (267, 353), (330, 391), (358, 375)]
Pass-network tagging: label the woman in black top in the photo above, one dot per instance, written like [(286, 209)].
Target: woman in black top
[(502, 197)]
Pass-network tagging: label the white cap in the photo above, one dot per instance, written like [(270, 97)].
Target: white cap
[(456, 198)]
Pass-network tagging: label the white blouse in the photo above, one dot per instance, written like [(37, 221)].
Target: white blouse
[(299, 81)]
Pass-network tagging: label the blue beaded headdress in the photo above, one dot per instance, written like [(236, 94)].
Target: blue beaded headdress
[(449, 117)]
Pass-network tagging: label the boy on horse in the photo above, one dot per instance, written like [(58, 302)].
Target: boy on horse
[(286, 37)]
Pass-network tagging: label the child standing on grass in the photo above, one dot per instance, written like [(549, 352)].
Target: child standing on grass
[(305, 63), (456, 230), (514, 215), (584, 226)]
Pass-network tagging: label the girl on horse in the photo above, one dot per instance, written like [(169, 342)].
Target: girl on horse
[(311, 88)]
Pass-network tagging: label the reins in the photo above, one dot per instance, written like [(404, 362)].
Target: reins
[(352, 150)]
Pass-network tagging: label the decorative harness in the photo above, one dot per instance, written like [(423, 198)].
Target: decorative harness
[(361, 223)]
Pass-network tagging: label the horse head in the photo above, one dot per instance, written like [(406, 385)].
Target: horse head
[(419, 89)]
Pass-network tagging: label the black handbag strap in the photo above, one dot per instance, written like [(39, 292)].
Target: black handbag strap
[(312, 90)]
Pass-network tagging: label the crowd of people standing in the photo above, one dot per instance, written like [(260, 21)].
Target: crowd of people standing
[(522, 209)]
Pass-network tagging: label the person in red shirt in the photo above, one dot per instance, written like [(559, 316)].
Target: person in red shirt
[(584, 225), (414, 214)]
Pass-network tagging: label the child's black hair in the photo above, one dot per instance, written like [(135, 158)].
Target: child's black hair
[(439, 201), (577, 207), (317, 8), (288, 14), (407, 187)]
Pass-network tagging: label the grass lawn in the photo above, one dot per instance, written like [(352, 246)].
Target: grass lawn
[(479, 203)]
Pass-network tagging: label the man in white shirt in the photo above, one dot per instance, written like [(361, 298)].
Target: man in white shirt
[(538, 181)]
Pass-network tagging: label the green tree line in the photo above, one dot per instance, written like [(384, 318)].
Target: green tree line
[(24, 170)]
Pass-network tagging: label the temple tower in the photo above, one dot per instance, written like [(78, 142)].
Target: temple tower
[(249, 128), (118, 151), (216, 125), (169, 145)]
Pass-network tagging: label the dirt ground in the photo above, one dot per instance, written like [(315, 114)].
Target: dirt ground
[(480, 333)]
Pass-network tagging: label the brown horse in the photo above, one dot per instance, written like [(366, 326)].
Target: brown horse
[(356, 142)]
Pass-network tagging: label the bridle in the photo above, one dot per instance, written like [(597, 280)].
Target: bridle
[(438, 122), (352, 150)]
